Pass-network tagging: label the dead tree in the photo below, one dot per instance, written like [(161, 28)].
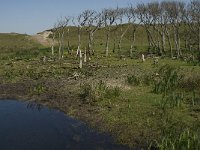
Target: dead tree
[(54, 31), (121, 13), (93, 23), (109, 16), (176, 11), (132, 15), (81, 21), (155, 12), (193, 21), (147, 20), (60, 29), (68, 40), (165, 14)]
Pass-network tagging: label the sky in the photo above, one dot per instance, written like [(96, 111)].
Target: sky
[(33, 16)]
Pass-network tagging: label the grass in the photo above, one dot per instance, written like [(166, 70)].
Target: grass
[(118, 91)]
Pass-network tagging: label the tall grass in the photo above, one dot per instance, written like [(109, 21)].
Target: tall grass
[(166, 82), (91, 92), (187, 140)]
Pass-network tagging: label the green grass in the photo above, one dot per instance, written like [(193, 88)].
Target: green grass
[(131, 112)]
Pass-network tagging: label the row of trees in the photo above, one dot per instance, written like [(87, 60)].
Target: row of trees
[(170, 26)]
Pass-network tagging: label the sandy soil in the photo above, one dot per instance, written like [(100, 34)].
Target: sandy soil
[(42, 39)]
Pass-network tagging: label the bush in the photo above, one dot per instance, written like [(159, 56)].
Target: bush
[(113, 92), (148, 79), (38, 89), (87, 93), (133, 80)]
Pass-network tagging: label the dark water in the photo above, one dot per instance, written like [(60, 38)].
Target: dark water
[(32, 127)]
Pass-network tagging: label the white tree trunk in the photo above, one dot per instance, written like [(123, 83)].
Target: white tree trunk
[(85, 56), (107, 40), (79, 40), (131, 51), (68, 42), (81, 61), (132, 43), (199, 40), (163, 41), (52, 50), (78, 51), (176, 43), (143, 59)]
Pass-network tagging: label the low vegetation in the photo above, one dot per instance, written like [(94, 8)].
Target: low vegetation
[(150, 103)]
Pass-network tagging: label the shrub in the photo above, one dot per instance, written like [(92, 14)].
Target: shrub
[(113, 92), (133, 80), (148, 79), (92, 92), (87, 93), (39, 89)]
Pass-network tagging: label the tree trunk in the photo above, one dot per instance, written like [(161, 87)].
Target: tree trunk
[(62, 41), (119, 46), (199, 39), (179, 45), (176, 42), (60, 47), (107, 41), (131, 52), (52, 46), (114, 45), (79, 40), (52, 50), (163, 42), (80, 60), (149, 42), (132, 42), (90, 44), (186, 43), (159, 50), (68, 42), (170, 44), (59, 57), (150, 39), (85, 56)]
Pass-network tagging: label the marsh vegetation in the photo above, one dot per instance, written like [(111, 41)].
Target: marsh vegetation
[(95, 71)]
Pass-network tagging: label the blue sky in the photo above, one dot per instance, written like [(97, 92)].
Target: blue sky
[(32, 16)]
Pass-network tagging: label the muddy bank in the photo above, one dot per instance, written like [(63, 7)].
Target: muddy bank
[(65, 97)]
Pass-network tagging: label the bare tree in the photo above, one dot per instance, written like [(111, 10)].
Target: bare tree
[(109, 17), (54, 31), (147, 20), (165, 20), (68, 40), (154, 11), (93, 23), (176, 12), (132, 15), (121, 13), (60, 29), (82, 20), (193, 21)]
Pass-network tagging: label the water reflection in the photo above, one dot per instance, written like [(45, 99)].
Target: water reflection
[(33, 106), (34, 127)]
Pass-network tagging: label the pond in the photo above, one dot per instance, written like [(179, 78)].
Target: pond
[(28, 126)]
